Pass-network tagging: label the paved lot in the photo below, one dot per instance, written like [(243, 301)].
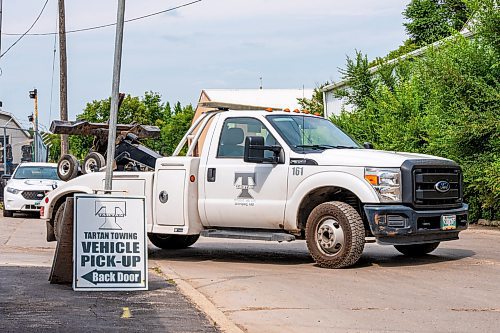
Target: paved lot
[(28, 303), (267, 287), (270, 287)]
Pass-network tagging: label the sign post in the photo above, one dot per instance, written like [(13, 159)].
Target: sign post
[(110, 248)]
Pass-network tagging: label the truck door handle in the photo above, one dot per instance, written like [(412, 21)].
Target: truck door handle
[(211, 175)]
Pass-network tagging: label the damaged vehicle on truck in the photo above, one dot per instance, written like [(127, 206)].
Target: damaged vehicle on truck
[(282, 176)]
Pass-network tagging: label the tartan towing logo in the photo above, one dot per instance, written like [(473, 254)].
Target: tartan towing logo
[(244, 181), (110, 247)]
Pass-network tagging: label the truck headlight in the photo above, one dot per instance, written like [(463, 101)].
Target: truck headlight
[(13, 190), (386, 182)]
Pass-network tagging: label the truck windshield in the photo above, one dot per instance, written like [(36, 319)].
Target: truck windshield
[(36, 172), (306, 133)]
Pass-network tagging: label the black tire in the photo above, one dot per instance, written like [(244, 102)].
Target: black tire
[(335, 235), (172, 241), (417, 250), (8, 213), (67, 167), (58, 221), (93, 162)]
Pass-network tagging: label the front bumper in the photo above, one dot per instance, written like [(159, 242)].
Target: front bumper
[(402, 225), (15, 202)]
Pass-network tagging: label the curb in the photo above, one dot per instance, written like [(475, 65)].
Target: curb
[(216, 316)]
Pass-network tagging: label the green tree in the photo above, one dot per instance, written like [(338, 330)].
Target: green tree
[(431, 20), (359, 81), (147, 110), (446, 103), (315, 103)]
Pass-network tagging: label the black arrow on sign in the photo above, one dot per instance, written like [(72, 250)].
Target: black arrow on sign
[(112, 276)]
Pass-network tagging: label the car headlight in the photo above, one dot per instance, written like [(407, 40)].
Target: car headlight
[(13, 190), (386, 182)]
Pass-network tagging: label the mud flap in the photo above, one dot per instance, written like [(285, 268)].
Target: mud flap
[(62, 265)]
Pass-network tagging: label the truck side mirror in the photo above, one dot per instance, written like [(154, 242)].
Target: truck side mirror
[(254, 151), (368, 145)]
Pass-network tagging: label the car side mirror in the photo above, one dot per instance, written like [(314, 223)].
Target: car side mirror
[(5, 179), (254, 151), (368, 145)]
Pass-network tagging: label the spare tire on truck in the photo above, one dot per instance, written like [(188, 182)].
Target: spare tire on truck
[(93, 162), (67, 167)]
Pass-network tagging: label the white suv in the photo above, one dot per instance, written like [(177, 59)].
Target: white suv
[(27, 187)]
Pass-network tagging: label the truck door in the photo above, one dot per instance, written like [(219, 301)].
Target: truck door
[(240, 194)]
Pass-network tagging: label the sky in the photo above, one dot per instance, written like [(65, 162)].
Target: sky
[(210, 44)]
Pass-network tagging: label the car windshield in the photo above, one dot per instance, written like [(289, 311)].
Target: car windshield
[(36, 172), (305, 133)]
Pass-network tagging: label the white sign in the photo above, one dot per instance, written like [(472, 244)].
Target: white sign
[(110, 247)]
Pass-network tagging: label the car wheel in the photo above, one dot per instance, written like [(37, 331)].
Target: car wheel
[(417, 250), (67, 167), (335, 235), (58, 221), (8, 213), (93, 162)]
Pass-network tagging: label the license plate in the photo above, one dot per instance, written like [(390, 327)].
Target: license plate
[(448, 222)]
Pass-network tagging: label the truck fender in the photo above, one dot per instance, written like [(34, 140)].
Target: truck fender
[(70, 190), (359, 187)]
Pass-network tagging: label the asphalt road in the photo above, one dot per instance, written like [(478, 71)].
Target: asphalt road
[(268, 287), (271, 287), (28, 303)]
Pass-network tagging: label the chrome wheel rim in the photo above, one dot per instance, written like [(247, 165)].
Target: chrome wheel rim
[(330, 237), (90, 165), (64, 167)]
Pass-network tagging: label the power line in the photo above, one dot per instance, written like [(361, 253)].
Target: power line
[(109, 24), (27, 31)]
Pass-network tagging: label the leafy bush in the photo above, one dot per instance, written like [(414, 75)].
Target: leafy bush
[(445, 103)]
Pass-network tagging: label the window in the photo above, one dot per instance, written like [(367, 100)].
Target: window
[(36, 172), (234, 132), (305, 133)]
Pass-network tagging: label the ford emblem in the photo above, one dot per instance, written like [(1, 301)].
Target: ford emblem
[(442, 186)]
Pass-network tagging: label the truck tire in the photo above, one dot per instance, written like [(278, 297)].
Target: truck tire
[(67, 167), (417, 250), (8, 213), (172, 241), (93, 162), (58, 221), (335, 235)]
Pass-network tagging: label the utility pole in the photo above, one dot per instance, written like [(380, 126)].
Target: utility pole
[(113, 114), (63, 75), (34, 95), (0, 26)]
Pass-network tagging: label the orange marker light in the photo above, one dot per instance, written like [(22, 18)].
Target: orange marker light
[(286, 110), (269, 110), (372, 179), (306, 111), (296, 111), (317, 114)]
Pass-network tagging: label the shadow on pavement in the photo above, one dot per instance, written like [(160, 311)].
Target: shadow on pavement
[(28, 303), (399, 260), (288, 254)]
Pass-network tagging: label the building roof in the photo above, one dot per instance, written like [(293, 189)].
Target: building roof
[(15, 121), (265, 98)]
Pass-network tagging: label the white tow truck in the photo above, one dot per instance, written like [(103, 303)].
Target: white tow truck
[(281, 176)]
